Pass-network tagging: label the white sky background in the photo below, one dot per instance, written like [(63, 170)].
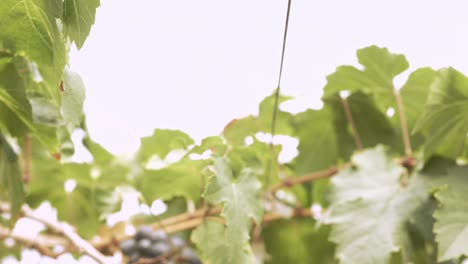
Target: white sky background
[(196, 64)]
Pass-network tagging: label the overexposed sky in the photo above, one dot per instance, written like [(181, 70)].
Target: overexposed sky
[(196, 64)]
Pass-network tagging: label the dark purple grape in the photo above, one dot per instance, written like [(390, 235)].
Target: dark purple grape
[(193, 261), (128, 246), (134, 258), (158, 236), (143, 232), (159, 248), (189, 256), (144, 245), (177, 241)]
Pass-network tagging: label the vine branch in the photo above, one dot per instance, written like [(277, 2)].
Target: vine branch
[(39, 243), (63, 229), (403, 124), (349, 118), (290, 181), (67, 231)]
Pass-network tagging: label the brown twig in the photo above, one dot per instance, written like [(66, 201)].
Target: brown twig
[(82, 245), (403, 124), (290, 181), (349, 118), (40, 243)]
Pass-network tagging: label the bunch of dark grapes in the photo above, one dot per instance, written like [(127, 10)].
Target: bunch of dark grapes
[(149, 246)]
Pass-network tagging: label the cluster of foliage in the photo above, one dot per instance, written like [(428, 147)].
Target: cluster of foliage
[(396, 195)]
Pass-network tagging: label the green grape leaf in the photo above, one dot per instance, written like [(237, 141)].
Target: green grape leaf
[(110, 171), (238, 129), (372, 126), (371, 198), (162, 142), (184, 178), (380, 67), (323, 130), (30, 29), (414, 94), (56, 8), (15, 110), (329, 131), (78, 206), (445, 118), (78, 18), (17, 119), (240, 196), (260, 157), (418, 243), (216, 248), (99, 153), (10, 176), (283, 119), (45, 109), (451, 227), (8, 103), (72, 98), (308, 241), (213, 143)]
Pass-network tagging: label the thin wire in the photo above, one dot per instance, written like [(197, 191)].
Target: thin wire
[(277, 93)]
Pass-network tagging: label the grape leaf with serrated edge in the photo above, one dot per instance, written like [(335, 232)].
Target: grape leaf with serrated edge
[(240, 196), (371, 198)]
